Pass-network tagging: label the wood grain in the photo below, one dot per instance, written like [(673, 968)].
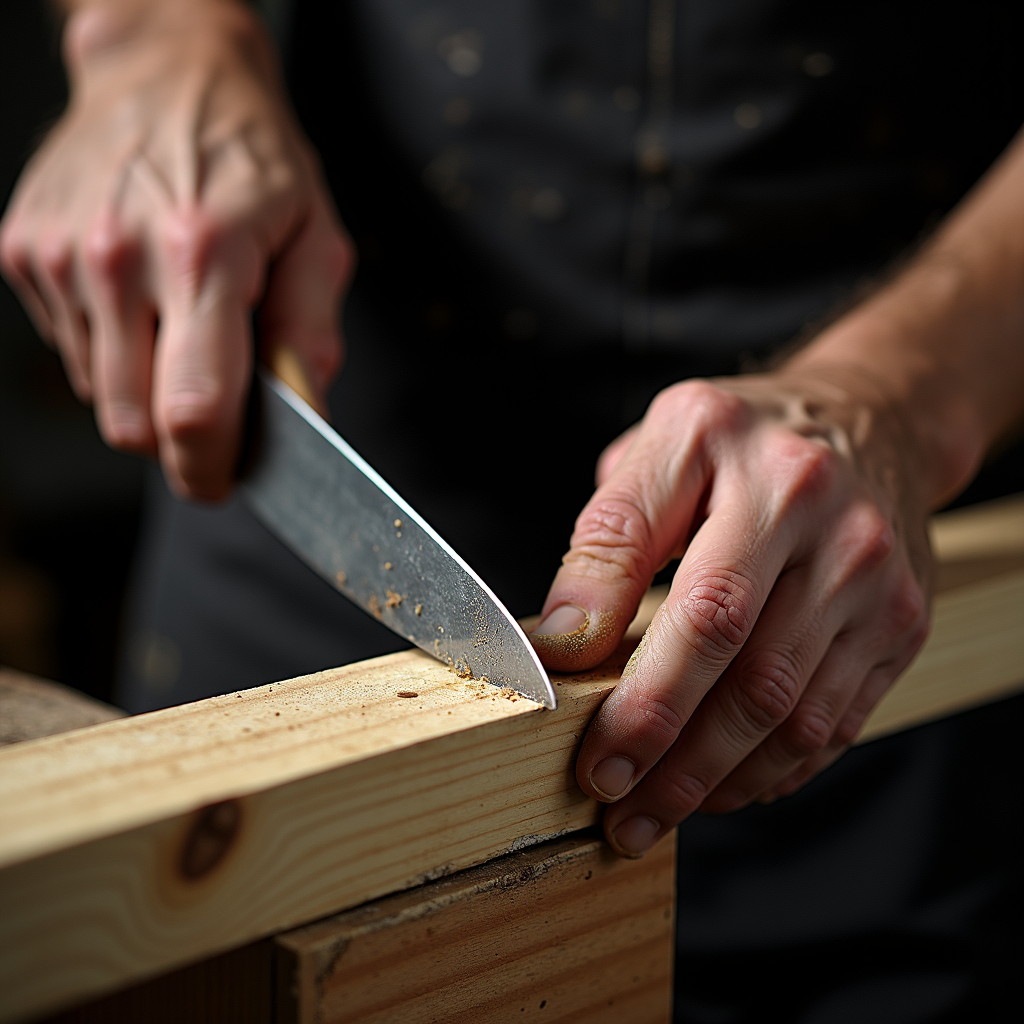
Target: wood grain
[(135, 846), (561, 932), (333, 791), (975, 655)]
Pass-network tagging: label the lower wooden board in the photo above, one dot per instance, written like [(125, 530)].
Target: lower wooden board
[(135, 846), (562, 932), (150, 842)]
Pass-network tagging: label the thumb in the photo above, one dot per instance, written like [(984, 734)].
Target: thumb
[(631, 527), (300, 313)]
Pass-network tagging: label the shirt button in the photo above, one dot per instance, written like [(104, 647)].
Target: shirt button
[(462, 52), (748, 116), (818, 65), (651, 156)]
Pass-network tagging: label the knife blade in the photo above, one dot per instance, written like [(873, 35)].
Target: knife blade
[(339, 516)]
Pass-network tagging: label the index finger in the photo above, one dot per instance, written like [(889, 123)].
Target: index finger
[(716, 597), (204, 353)]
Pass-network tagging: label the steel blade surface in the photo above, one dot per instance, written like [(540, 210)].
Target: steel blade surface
[(330, 507)]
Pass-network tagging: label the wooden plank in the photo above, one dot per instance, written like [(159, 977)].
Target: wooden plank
[(132, 847), (994, 529), (332, 790), (975, 655), (592, 941), (31, 707)]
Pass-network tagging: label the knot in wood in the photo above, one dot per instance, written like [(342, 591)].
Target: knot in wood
[(212, 833)]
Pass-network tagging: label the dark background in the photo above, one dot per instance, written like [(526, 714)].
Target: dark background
[(69, 507)]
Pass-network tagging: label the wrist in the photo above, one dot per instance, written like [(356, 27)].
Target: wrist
[(96, 29), (892, 384)]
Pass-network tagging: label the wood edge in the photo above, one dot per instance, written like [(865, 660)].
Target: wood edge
[(914, 719), (985, 530), (505, 871)]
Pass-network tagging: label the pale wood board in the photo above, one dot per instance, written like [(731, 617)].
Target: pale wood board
[(994, 529), (346, 792), (975, 654), (343, 792), (561, 932)]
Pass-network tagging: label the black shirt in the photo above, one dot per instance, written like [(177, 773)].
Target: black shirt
[(693, 176)]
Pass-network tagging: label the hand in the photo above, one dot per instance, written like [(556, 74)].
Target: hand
[(174, 195), (801, 595)]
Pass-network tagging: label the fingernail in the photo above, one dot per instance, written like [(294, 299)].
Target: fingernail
[(612, 776), (562, 621), (635, 836)]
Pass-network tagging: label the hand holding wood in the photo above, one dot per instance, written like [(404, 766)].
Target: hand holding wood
[(801, 595)]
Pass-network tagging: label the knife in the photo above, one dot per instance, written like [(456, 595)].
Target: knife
[(339, 516)]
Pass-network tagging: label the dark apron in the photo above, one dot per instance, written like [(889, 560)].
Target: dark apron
[(556, 218)]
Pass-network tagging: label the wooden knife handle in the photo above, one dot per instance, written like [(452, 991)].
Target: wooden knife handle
[(286, 364)]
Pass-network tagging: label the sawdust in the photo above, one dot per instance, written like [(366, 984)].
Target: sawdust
[(393, 599), (374, 605), (407, 693), (419, 609), (341, 577), (388, 565)]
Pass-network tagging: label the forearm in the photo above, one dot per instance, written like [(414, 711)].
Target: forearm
[(943, 345), (95, 25)]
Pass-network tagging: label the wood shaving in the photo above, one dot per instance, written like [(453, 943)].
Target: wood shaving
[(407, 693)]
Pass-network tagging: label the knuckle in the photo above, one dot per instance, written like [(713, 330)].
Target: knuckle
[(873, 540), (123, 424), (659, 717), (906, 607), (193, 409), (681, 792), (191, 241), (807, 731), (807, 468), (846, 731), (612, 536), (108, 249), (767, 691), (707, 407), (719, 611), (55, 259)]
